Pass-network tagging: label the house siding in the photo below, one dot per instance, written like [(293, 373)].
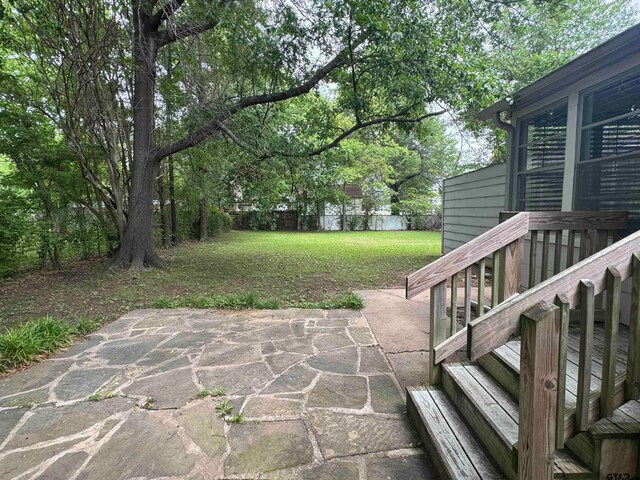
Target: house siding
[(471, 204)]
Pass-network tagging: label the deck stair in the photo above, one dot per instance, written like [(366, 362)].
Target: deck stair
[(551, 383), (476, 438)]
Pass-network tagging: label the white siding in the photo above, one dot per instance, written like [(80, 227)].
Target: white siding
[(471, 204)]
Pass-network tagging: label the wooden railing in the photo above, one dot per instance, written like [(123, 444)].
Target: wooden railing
[(504, 246), (541, 316)]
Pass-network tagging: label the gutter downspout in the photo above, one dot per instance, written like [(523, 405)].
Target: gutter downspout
[(510, 167)]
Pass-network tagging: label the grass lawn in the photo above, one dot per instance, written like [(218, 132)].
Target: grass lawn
[(288, 267)]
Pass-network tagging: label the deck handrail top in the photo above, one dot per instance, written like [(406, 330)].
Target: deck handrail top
[(501, 323), (581, 220), (468, 254), (512, 226)]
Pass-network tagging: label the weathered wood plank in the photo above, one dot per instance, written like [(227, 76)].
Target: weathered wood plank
[(502, 323), (544, 272), (557, 254), (454, 304), (584, 244), (610, 350), (453, 459), (467, 296), (450, 346), (496, 429), (538, 392), (574, 220), (495, 285), (562, 369), (533, 248), (510, 269), (439, 327), (586, 354), (571, 247), (468, 443), (632, 391), (594, 408), (481, 285), (468, 254)]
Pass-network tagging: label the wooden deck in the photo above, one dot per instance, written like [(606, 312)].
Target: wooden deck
[(510, 354)]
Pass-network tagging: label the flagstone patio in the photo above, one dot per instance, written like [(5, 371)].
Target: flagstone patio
[(316, 392)]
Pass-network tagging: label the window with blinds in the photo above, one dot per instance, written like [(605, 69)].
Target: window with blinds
[(608, 174), (541, 150)]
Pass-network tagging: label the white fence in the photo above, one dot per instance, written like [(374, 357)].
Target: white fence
[(381, 222)]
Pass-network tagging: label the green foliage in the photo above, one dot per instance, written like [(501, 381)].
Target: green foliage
[(348, 300), (34, 338), (15, 228), (230, 301), (25, 343), (225, 408)]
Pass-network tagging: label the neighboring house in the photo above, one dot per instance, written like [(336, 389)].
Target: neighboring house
[(551, 383)]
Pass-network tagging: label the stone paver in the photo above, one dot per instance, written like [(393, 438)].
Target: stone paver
[(313, 395)]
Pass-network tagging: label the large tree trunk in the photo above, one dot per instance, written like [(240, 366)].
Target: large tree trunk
[(136, 246)]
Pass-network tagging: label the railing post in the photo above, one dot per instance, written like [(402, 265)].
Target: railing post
[(510, 269), (438, 327), (632, 383), (538, 391)]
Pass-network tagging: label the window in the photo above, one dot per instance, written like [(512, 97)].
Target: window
[(541, 150), (608, 174)]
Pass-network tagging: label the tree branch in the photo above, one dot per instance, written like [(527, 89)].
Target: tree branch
[(213, 126), (183, 31), (360, 126), (166, 11)]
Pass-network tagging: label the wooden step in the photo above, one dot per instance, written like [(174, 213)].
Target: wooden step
[(611, 445), (493, 413), (451, 444)]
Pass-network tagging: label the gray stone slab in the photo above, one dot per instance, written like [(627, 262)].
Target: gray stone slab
[(341, 435), (373, 361), (334, 470), (336, 361), (342, 391), (385, 397), (267, 446), (279, 362), (8, 420), (64, 467), (401, 468), (14, 464), (49, 423), (362, 335), (35, 376), (235, 378), (205, 427), (296, 345), (190, 339), (144, 447), (296, 379), (23, 400), (218, 354), (169, 390), (79, 347), (127, 351), (271, 407), (82, 383), (332, 341)]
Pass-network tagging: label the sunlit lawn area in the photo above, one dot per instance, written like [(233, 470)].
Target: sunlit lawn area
[(284, 268)]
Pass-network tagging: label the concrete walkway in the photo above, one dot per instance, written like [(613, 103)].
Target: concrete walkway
[(317, 396)]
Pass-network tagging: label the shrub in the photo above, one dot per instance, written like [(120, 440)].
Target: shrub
[(23, 344)]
